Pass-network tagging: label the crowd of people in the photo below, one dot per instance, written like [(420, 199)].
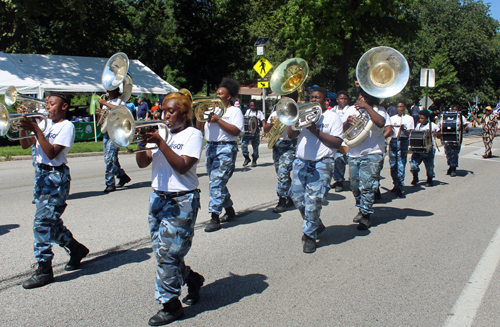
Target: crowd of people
[(308, 163)]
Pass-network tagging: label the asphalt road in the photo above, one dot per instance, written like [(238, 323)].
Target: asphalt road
[(428, 260)]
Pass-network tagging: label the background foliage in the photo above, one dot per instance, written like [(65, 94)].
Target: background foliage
[(194, 43)]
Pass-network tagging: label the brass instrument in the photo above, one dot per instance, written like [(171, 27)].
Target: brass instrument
[(115, 73), (382, 72), (204, 106), (122, 128), (12, 123), (289, 76)]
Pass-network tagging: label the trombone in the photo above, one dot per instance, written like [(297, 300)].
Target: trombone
[(122, 128), (12, 123), (115, 72)]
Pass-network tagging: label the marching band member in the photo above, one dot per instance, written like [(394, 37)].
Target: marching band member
[(253, 139), (489, 123), (220, 152), (113, 167), (365, 159), (313, 167), (427, 158), (340, 158), (398, 147), (283, 157), (173, 206), (52, 182), (453, 149)]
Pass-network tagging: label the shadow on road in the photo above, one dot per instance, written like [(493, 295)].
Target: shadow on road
[(338, 234), (107, 262), (83, 195), (4, 229), (226, 291)]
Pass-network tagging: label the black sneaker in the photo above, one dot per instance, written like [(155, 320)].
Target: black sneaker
[(309, 244), (429, 182), (414, 182), (229, 215), (124, 179), (281, 207), (453, 172), (109, 188), (364, 223), (171, 312), (246, 162), (358, 217), (43, 276), (254, 162)]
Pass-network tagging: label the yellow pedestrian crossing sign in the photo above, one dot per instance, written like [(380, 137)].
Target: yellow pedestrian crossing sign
[(263, 85), (262, 67)]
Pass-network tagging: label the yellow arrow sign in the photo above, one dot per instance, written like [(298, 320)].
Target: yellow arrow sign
[(262, 67), (263, 85)]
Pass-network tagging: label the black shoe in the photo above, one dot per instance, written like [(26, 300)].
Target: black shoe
[(43, 276), (399, 193), (171, 312), (229, 215), (77, 252), (448, 171), (429, 182), (309, 244), (214, 224), (321, 228), (194, 283), (415, 180), (364, 223), (358, 217), (338, 186), (124, 179), (254, 162), (453, 172), (281, 207), (289, 202), (109, 188), (378, 195), (247, 161)]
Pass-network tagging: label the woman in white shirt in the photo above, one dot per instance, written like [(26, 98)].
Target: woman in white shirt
[(173, 205)]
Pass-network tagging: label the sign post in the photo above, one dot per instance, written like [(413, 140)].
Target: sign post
[(262, 67), (427, 79)]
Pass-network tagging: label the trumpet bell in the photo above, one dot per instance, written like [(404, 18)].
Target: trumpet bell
[(287, 111), (4, 120), (120, 126), (11, 95), (289, 76), (382, 72)]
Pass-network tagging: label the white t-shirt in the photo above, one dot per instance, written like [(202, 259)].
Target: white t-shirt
[(397, 121), (62, 133), (339, 111), (284, 135), (309, 147), (259, 114), (188, 142), (233, 116), (374, 143), (434, 128), (117, 102)]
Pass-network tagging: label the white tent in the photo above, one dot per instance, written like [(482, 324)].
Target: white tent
[(34, 74)]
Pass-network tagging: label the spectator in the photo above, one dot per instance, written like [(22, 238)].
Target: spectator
[(143, 109)]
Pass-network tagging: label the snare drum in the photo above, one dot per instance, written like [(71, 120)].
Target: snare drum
[(251, 125), (420, 141), (451, 128)]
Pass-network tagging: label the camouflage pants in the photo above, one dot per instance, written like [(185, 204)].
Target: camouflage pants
[(364, 175), (398, 155), (113, 167), (171, 226), (310, 184), (339, 167), (220, 162), (452, 151), (283, 156), (427, 158), (254, 140), (51, 192)]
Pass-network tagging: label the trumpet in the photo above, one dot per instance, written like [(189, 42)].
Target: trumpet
[(12, 123), (122, 128)]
